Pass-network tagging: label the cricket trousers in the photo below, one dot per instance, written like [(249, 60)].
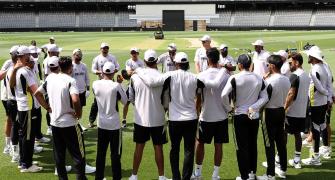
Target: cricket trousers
[(37, 117), (47, 115), (94, 111), (177, 131), (246, 131), (14, 134), (274, 135), (69, 138), (26, 138), (114, 139), (319, 125)]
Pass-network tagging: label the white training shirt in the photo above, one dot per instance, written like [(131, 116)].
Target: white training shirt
[(24, 78), (299, 79), (80, 74), (10, 91), (148, 109), (285, 69), (108, 93), (250, 92), (167, 63), (36, 103), (227, 60), (6, 65), (330, 87), (46, 68), (260, 62), (201, 58), (59, 88), (131, 65), (100, 60), (212, 108), (278, 86), (318, 93)]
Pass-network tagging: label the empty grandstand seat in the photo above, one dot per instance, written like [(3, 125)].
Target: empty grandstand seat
[(124, 20), (324, 17), (223, 20), (250, 18), (97, 19)]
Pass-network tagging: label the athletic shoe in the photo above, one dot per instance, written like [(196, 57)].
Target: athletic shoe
[(216, 178), (306, 143), (252, 176), (266, 177), (196, 177), (91, 125), (43, 140), (89, 169), (83, 128), (33, 168), (37, 149), (15, 158), (124, 124), (280, 173), (6, 149), (312, 161), (49, 131), (34, 163), (325, 152), (133, 177), (163, 178), (293, 163), (67, 168)]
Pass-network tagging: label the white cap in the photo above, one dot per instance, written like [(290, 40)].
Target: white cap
[(172, 47), (258, 43), (181, 57), (281, 53), (34, 49), (150, 53), (222, 46), (54, 48), (22, 50), (53, 61), (315, 52), (134, 49), (52, 38), (76, 50), (108, 68), (13, 49), (206, 38), (104, 45)]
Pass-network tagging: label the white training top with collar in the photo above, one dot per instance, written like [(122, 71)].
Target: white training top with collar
[(148, 109), (80, 74), (300, 81), (201, 58), (59, 88), (108, 93), (99, 61), (25, 78), (10, 91), (250, 92), (5, 66), (277, 89), (318, 93), (131, 65), (212, 108), (167, 63), (260, 62)]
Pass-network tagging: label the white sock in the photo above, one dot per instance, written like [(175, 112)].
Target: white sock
[(161, 177), (134, 176), (198, 169), (8, 141), (216, 171), (297, 156)]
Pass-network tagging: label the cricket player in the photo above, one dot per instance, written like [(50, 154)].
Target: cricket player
[(200, 58), (259, 59), (167, 58)]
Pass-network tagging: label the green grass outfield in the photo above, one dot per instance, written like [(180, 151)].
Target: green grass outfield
[(120, 43)]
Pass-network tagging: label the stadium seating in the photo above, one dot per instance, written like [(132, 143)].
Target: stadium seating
[(324, 17), (250, 18), (57, 19), (124, 21), (292, 17), (223, 20), (17, 19), (97, 19)]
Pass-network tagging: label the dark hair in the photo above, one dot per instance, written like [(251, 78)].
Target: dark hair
[(213, 55), (53, 69), (33, 42), (184, 66), (275, 60), (245, 60), (65, 63), (150, 63), (297, 57)]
